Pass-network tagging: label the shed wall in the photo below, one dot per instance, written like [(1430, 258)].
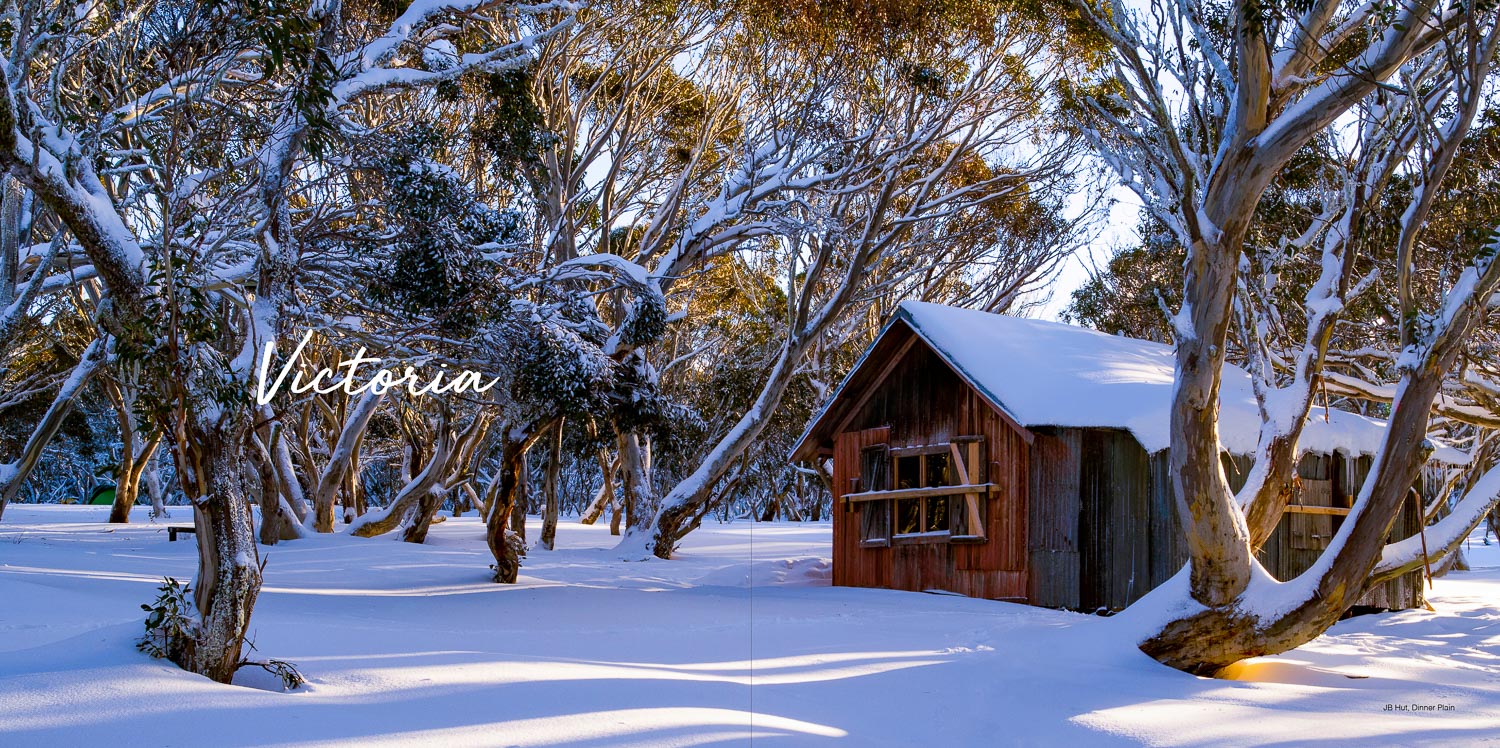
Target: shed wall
[(1104, 526), (1115, 520), (1335, 480), (1082, 519), (1103, 523), (1053, 514), (922, 401)]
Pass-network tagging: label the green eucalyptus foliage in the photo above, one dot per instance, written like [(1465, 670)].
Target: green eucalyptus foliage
[(1137, 284), (557, 360), (290, 37), (430, 234), (1142, 280), (182, 336), (645, 322), (509, 127), (170, 620)]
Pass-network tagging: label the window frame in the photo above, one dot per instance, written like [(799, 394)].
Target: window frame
[(923, 473), (965, 467)]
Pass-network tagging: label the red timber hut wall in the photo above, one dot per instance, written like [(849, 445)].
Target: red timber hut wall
[(915, 400)]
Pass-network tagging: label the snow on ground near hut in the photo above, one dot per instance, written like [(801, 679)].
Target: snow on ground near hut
[(739, 640)]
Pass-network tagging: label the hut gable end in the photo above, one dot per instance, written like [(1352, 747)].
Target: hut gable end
[(903, 381), (909, 411)]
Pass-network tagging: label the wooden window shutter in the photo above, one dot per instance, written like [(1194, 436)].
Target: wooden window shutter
[(875, 468), (970, 514), (875, 516)]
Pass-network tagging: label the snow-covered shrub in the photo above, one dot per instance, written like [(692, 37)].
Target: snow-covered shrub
[(431, 234), (557, 367), (647, 320)]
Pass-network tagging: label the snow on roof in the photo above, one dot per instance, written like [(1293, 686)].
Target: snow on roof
[(1052, 374)]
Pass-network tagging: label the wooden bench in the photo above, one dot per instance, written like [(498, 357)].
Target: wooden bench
[(174, 529)]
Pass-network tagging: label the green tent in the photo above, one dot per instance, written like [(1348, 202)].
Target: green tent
[(104, 493)]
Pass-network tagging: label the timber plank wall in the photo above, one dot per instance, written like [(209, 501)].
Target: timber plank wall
[(1104, 528), (1333, 481)]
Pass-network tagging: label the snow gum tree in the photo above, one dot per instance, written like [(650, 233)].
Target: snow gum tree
[(165, 148), (154, 314), (1204, 109), (674, 141), (858, 183)]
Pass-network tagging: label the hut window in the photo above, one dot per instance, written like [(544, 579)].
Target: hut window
[(908, 516), (936, 517), (874, 468), (908, 471), (938, 470), (927, 514), (952, 515), (920, 516)]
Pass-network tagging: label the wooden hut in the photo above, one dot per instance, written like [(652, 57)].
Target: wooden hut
[(1023, 460)]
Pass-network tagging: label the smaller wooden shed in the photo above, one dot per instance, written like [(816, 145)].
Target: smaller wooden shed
[(1023, 460)]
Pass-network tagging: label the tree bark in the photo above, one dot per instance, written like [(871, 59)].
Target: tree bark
[(549, 489), (155, 489), (11, 197), (271, 521), (501, 539), (681, 508), (1218, 538), (451, 471), (635, 483), (135, 454), (411, 498), (210, 469), (428, 505), (342, 461), (521, 505), (128, 480), (606, 496), (505, 545), (815, 506), (1233, 629)]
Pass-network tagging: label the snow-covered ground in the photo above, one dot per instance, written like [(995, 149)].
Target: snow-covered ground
[(740, 639)]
